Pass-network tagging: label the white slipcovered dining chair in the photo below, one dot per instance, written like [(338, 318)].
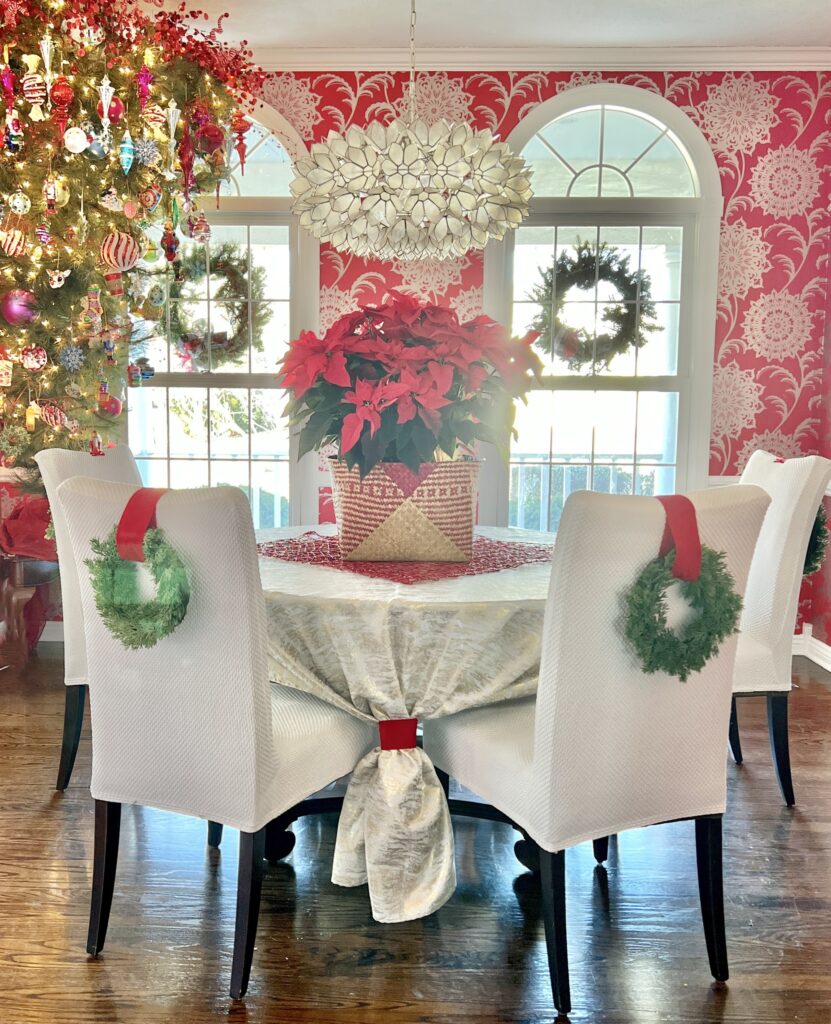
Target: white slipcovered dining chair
[(192, 724), (763, 657), (603, 746), (56, 465)]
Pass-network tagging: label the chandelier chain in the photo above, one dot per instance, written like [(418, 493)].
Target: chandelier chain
[(412, 61)]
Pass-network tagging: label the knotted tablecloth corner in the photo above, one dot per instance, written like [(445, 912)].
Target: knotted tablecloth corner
[(395, 835)]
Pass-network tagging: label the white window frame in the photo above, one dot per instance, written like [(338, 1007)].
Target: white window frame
[(304, 304), (700, 218)]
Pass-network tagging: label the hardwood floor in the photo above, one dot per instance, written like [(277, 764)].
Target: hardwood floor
[(636, 943)]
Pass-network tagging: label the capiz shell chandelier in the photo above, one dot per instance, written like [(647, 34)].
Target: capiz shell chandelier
[(410, 190)]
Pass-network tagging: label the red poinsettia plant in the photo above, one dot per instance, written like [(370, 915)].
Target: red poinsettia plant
[(405, 381)]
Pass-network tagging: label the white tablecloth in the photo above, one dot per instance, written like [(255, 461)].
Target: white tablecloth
[(384, 650)]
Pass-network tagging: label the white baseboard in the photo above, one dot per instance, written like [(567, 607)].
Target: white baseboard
[(806, 644)]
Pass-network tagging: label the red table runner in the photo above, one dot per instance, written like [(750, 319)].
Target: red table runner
[(488, 556)]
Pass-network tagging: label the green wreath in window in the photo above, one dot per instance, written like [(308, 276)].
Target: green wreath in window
[(631, 318), (713, 599), (230, 275), (132, 620)]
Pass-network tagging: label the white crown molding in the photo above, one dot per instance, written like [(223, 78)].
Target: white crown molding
[(566, 58)]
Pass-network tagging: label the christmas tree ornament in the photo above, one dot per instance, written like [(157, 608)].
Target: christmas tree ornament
[(172, 115), (186, 158), (155, 296), (32, 416), (75, 140), (73, 390), (20, 203), (43, 234), (47, 49), (13, 136), (53, 416), (130, 209), (144, 79), (106, 94), (62, 193), (18, 307), (154, 117), (126, 152), (96, 149), (201, 229), (72, 358), (6, 371), (170, 243), (33, 85), (96, 445), (50, 195), (61, 94), (110, 200), (151, 249), (91, 315), (119, 253), (209, 138), (150, 197), (13, 242), (108, 343), (147, 150), (33, 358), (239, 126), (8, 81), (13, 443), (57, 278)]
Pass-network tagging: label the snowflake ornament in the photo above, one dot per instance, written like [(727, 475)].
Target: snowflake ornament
[(72, 358), (147, 152)]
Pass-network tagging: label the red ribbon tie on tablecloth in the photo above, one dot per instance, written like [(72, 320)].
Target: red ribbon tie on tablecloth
[(398, 733), (138, 517), (681, 533)]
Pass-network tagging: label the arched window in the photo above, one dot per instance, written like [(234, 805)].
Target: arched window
[(214, 326), (615, 266)]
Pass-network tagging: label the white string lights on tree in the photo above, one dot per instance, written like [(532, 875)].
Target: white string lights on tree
[(410, 190)]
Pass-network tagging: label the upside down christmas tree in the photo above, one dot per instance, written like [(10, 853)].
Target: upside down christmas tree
[(113, 122)]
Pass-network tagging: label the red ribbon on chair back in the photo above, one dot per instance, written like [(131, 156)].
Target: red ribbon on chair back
[(138, 517), (681, 533), (398, 733)]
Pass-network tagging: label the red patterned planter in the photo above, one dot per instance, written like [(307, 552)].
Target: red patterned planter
[(396, 515)]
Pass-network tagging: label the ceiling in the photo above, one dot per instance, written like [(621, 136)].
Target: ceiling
[(374, 33)]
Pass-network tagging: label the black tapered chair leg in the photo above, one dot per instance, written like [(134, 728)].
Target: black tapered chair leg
[(105, 860), (601, 849), (249, 887), (214, 834), (711, 891), (444, 782), (553, 870), (733, 734), (780, 745), (73, 721)]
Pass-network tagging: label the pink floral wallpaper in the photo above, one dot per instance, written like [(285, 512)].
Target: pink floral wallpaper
[(771, 135)]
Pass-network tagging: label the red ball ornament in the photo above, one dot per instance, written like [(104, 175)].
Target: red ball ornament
[(209, 138), (110, 406), (33, 358), (116, 111), (18, 307)]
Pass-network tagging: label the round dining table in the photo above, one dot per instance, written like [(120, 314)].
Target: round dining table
[(385, 650)]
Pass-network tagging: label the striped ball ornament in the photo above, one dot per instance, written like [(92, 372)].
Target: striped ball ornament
[(119, 252)]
